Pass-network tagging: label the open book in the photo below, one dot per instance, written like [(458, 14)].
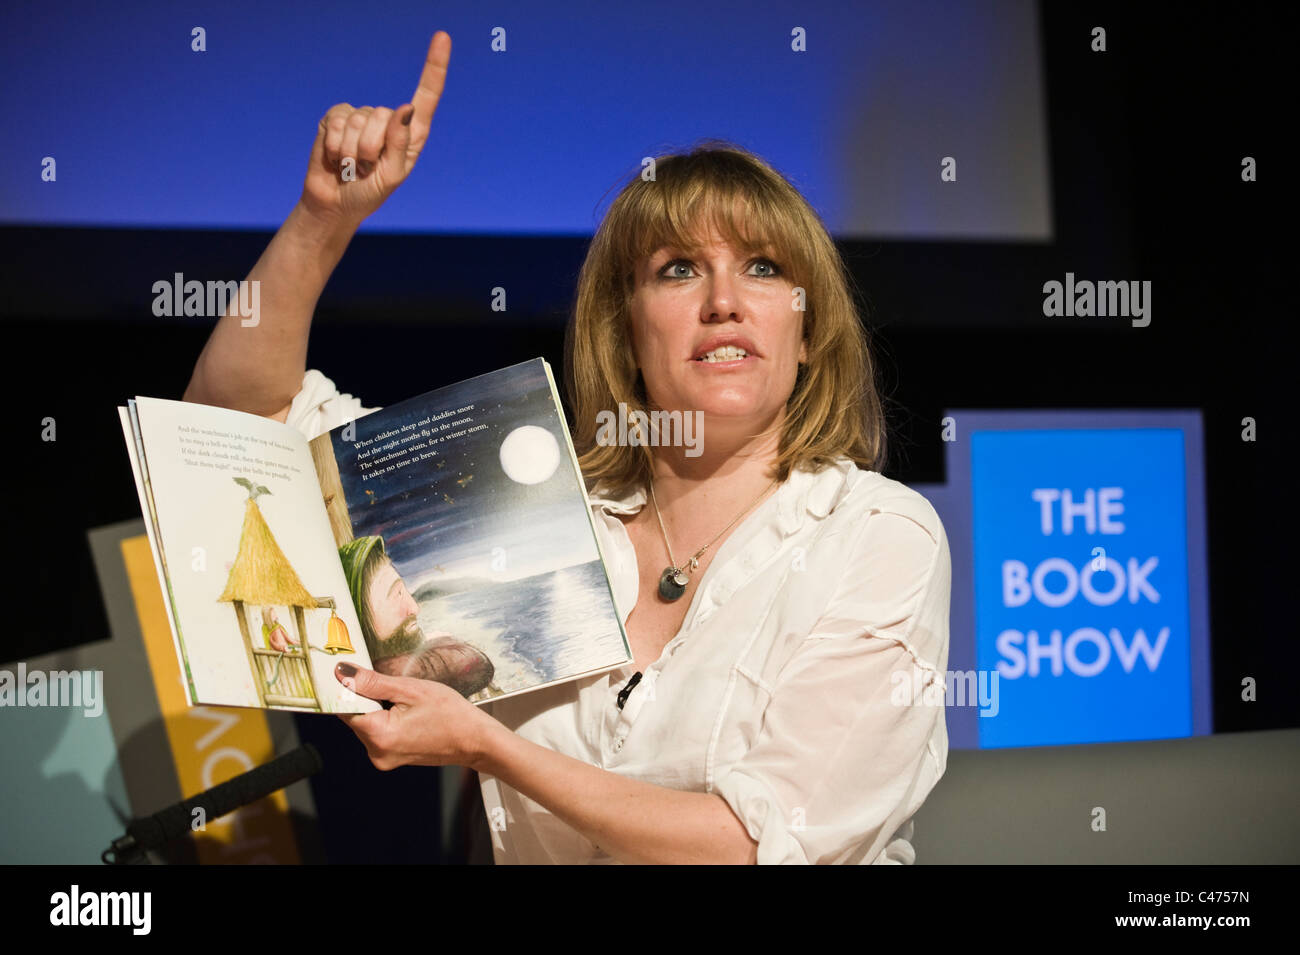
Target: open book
[(448, 537)]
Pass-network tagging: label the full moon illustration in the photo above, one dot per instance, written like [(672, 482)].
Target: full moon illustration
[(529, 455)]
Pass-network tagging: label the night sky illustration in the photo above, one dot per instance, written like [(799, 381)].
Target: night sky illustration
[(441, 517)]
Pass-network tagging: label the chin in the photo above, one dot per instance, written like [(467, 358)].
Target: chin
[(720, 411), (721, 400)]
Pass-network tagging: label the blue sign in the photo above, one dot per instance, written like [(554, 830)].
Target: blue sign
[(1079, 580)]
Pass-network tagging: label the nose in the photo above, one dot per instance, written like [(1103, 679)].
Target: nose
[(723, 300), (409, 606)]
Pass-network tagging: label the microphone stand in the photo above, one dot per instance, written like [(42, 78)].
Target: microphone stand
[(153, 832)]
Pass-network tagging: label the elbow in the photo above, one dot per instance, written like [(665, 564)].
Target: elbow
[(748, 853), (738, 852), (738, 847), (194, 394), (197, 392)]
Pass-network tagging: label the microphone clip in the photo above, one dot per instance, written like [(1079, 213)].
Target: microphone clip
[(627, 690)]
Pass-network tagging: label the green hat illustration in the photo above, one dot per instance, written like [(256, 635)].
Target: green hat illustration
[(354, 555)]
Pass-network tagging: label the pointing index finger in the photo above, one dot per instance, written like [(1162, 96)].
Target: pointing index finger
[(432, 78)]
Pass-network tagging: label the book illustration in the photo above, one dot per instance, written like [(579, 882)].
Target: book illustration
[(274, 636), (389, 615), (261, 576), (474, 561), (390, 622)]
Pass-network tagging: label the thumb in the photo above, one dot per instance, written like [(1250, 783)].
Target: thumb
[(371, 685), (397, 139)]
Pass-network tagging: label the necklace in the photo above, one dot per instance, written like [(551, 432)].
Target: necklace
[(673, 581)]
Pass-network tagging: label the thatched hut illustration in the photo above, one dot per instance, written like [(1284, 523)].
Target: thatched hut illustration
[(261, 576)]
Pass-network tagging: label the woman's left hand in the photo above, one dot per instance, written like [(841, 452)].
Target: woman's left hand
[(429, 724)]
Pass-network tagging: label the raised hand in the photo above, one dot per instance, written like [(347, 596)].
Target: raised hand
[(362, 154)]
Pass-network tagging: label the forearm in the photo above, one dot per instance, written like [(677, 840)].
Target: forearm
[(633, 821), (259, 367)]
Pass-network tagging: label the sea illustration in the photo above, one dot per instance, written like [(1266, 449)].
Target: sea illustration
[(535, 630), (475, 496)]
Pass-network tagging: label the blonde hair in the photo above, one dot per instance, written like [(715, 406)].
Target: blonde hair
[(835, 408)]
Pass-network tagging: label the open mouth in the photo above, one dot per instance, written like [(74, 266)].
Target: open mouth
[(725, 355)]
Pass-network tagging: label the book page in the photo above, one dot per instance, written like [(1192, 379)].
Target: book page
[(494, 583), (262, 607), (135, 451)]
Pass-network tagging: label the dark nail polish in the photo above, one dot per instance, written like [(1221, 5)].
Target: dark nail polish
[(347, 669), (409, 113)]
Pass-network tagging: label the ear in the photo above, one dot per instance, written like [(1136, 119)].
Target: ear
[(803, 352)]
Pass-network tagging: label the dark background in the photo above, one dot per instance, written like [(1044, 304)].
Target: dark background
[(1146, 142)]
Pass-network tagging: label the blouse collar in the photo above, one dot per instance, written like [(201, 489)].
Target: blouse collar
[(804, 493)]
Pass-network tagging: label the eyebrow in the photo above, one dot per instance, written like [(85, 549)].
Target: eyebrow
[(670, 250)]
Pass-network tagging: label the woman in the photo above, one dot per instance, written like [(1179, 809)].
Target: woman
[(787, 605)]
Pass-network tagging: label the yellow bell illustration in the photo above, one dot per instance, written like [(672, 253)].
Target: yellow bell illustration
[(337, 636)]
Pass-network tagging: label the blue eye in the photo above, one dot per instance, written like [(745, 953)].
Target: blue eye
[(775, 270)]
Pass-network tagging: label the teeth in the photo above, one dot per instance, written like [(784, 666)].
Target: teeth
[(725, 353)]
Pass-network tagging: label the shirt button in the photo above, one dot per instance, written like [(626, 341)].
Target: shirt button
[(618, 744)]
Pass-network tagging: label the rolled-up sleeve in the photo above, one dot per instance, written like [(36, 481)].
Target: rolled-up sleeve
[(853, 738), (318, 406)]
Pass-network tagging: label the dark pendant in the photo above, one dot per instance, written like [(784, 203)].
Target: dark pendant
[(672, 584)]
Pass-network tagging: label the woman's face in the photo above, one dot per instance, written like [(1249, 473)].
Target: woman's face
[(684, 304)]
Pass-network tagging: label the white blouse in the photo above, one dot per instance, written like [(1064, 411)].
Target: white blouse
[(805, 686)]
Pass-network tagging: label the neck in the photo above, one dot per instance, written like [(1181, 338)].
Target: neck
[(731, 470)]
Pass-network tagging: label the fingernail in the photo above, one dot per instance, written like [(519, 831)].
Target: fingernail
[(347, 669), (409, 113)]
